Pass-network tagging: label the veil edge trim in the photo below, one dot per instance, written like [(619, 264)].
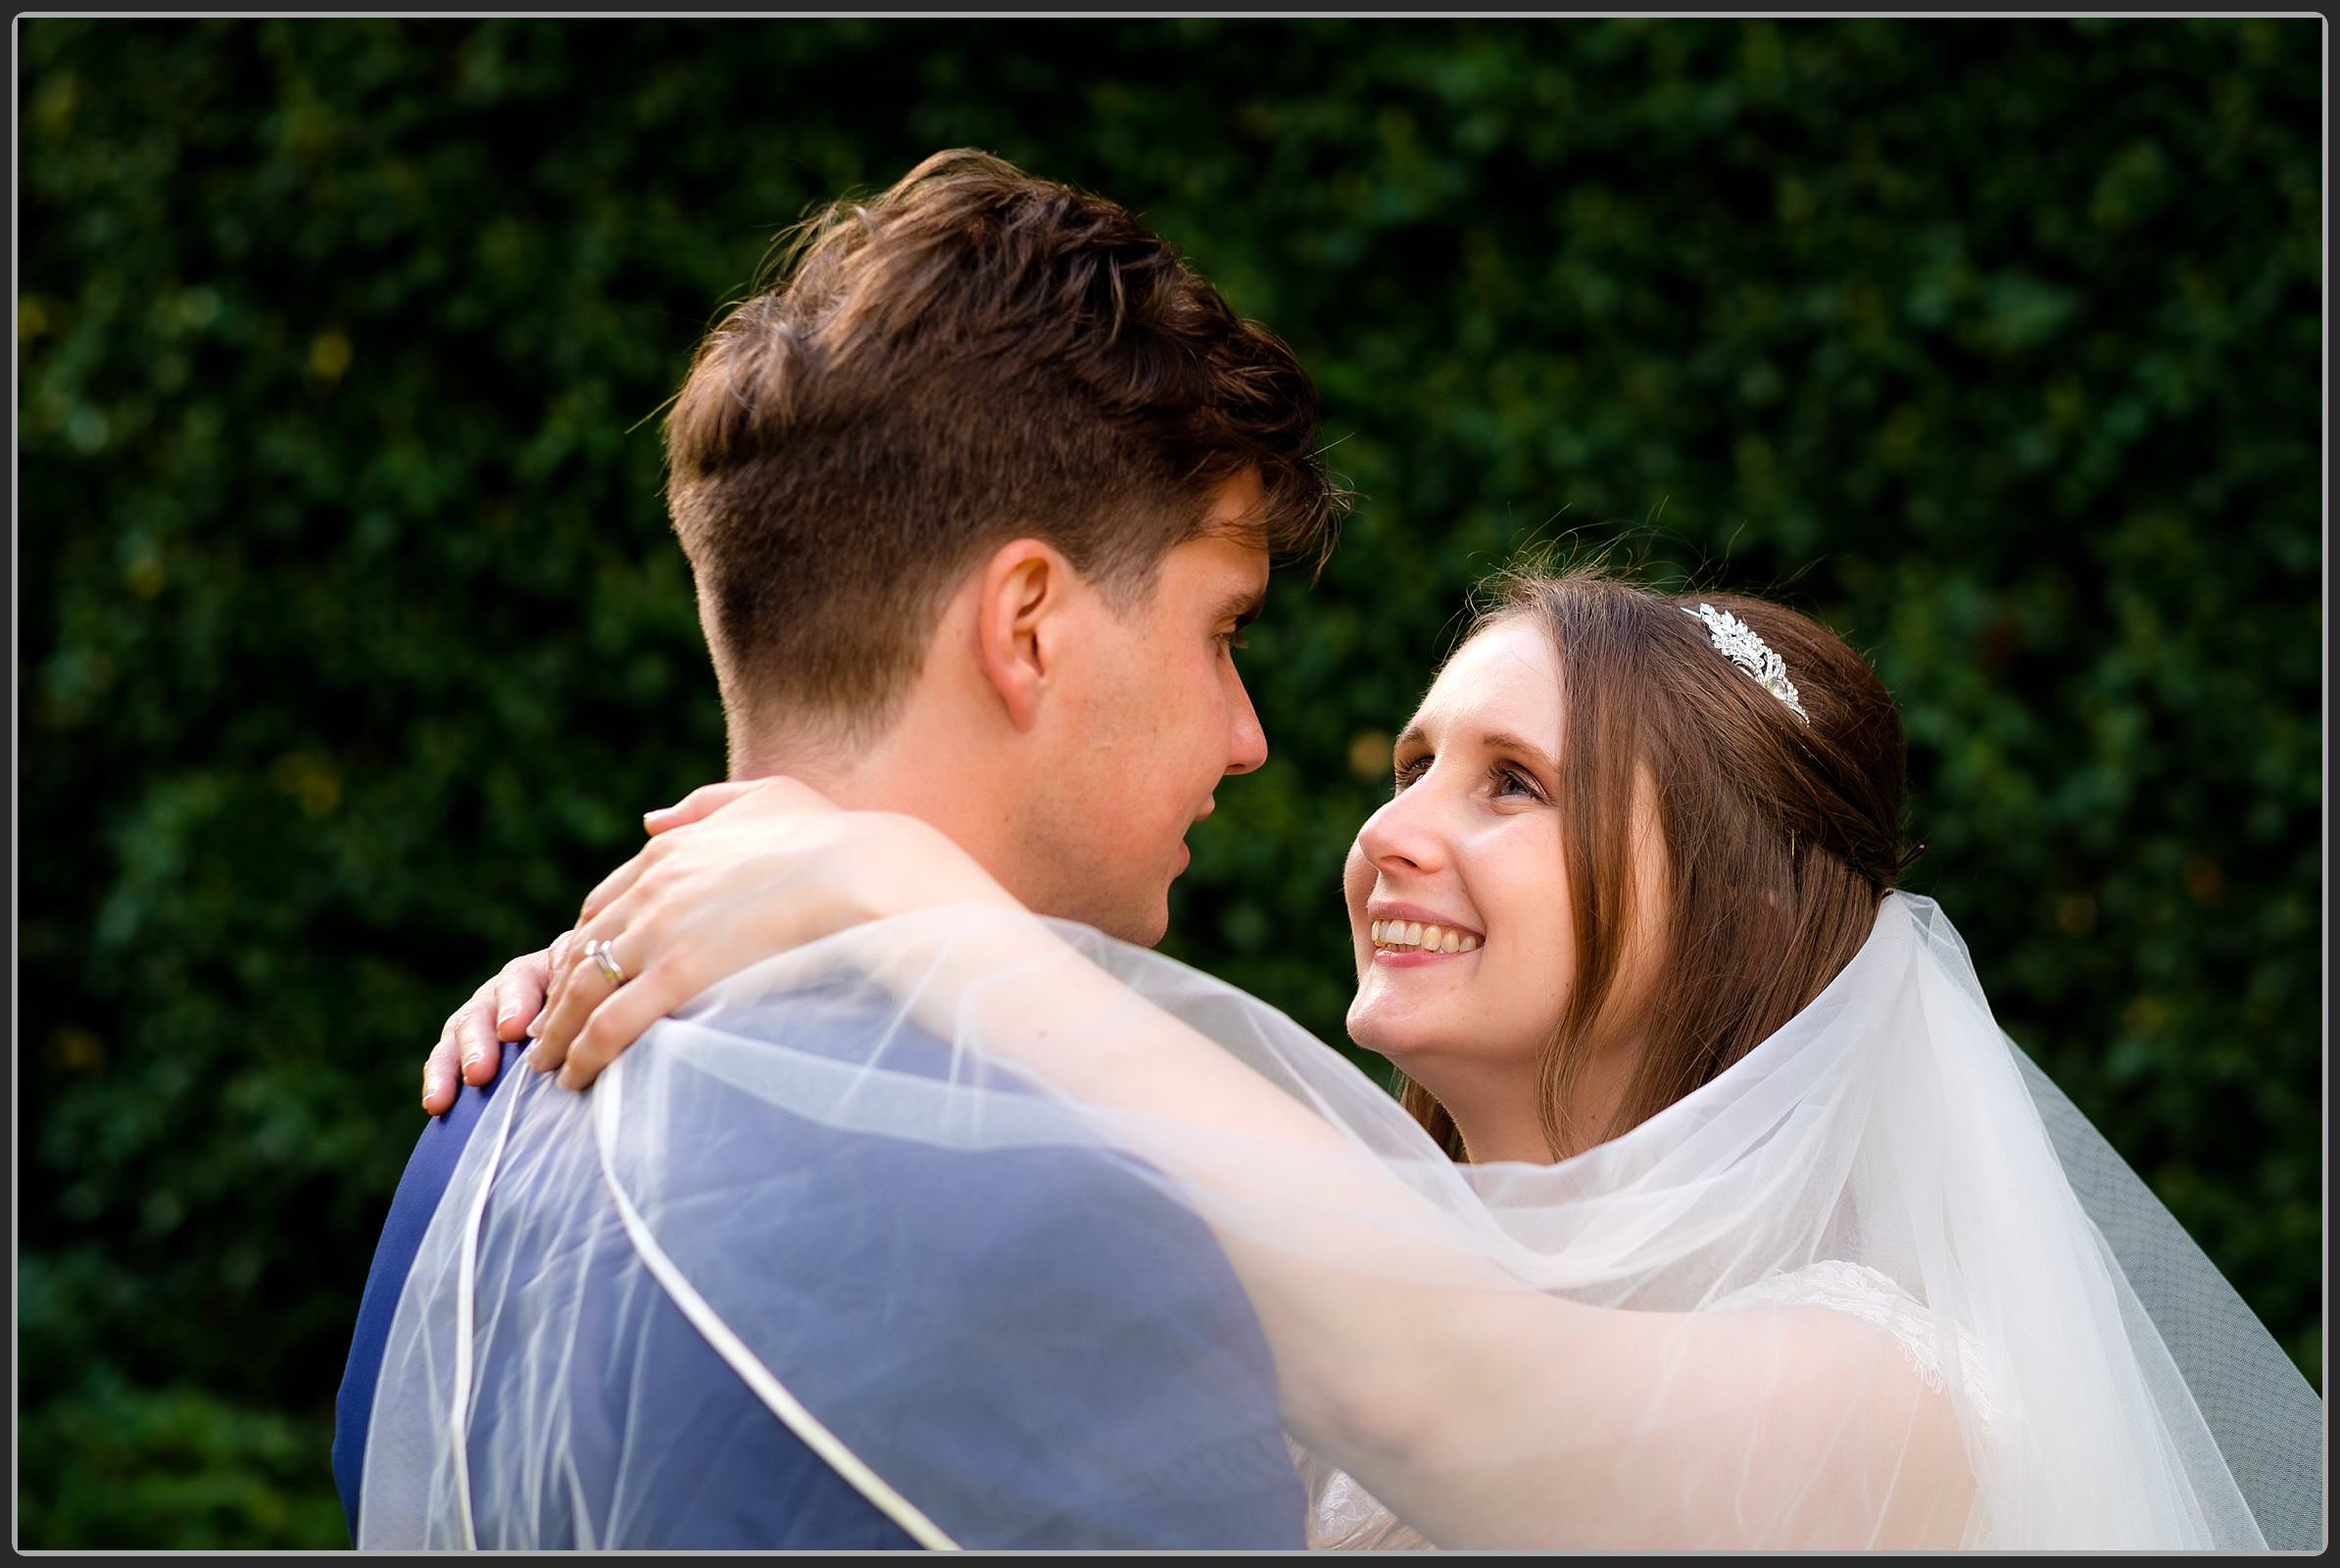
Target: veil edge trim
[(458, 1420), (742, 1361)]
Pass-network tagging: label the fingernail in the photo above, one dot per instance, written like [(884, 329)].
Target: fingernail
[(509, 1008), (471, 1057), (567, 1079)]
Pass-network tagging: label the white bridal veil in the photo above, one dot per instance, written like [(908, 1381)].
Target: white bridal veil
[(1877, 1284)]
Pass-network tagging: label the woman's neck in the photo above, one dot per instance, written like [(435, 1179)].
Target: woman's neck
[(1498, 1120)]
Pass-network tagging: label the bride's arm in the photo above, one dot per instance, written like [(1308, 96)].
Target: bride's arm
[(1486, 1412)]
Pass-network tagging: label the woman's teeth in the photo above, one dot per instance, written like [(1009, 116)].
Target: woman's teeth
[(1427, 938)]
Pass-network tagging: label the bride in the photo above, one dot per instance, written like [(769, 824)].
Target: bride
[(1715, 1210)]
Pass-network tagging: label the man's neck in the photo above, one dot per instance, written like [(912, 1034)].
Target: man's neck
[(849, 780), (936, 777)]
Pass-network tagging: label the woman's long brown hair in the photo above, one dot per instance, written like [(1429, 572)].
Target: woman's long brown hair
[(1781, 836)]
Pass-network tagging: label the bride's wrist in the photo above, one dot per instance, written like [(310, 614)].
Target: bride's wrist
[(935, 870)]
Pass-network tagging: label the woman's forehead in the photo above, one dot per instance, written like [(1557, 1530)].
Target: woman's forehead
[(1505, 679)]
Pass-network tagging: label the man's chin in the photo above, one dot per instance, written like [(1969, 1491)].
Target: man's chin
[(1142, 927), (1149, 932)]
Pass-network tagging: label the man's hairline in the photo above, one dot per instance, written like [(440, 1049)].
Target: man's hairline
[(843, 727)]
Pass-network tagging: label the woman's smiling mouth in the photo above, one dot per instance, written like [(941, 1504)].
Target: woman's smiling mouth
[(1405, 936)]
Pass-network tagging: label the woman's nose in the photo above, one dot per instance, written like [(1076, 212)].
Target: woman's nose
[(1403, 836)]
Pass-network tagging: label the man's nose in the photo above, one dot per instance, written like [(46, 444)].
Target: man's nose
[(1247, 742)]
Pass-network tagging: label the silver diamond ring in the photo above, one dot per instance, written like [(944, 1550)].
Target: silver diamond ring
[(598, 951)]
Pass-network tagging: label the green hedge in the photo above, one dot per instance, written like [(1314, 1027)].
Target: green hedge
[(354, 638)]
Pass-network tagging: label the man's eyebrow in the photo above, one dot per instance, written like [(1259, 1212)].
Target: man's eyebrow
[(1494, 740), (1245, 605)]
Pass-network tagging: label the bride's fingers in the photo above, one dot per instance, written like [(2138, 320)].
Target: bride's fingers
[(637, 929), (514, 998), (658, 851), (621, 1019), (615, 886), (556, 956), (438, 1077), (473, 1031), (520, 993), (699, 803), (775, 794), (555, 968), (576, 990)]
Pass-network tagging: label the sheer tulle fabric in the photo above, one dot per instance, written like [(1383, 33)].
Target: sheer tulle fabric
[(1877, 1284)]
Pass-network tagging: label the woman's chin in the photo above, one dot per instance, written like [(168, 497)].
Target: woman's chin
[(1426, 1042), (1387, 1031)]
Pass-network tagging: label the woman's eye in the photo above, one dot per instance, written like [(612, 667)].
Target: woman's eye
[(1231, 640), (1512, 776), (1407, 772)]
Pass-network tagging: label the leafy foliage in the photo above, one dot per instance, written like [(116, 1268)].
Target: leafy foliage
[(354, 639)]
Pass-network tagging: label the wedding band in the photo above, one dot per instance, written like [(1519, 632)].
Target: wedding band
[(598, 951)]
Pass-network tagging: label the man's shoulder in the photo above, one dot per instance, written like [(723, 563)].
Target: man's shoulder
[(1007, 1161), (1093, 1215), (1081, 1341), (1087, 1208), (1074, 1267)]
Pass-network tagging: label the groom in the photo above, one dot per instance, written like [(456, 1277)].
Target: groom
[(976, 503)]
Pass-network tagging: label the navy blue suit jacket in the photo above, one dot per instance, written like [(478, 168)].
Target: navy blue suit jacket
[(1179, 1386)]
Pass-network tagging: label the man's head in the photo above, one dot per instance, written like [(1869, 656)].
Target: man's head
[(959, 490)]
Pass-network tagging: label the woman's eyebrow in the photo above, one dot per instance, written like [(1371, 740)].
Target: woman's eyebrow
[(1493, 740), (1497, 740)]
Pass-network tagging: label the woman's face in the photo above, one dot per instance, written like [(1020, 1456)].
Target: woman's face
[(1469, 848)]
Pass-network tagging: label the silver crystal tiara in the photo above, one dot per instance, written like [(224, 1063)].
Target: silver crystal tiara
[(1737, 641)]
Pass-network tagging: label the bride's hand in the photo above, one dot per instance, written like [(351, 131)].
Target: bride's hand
[(471, 1040), (473, 1034), (737, 873)]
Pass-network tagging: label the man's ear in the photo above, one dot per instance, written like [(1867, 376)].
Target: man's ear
[(1023, 599)]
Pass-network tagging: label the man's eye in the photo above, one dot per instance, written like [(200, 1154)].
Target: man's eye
[(1231, 640)]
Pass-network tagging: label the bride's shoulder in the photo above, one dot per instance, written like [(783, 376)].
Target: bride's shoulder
[(1934, 1347)]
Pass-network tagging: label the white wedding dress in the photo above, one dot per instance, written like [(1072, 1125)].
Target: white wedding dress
[(1342, 1516)]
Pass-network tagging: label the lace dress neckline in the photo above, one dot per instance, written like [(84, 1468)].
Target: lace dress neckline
[(1876, 1297)]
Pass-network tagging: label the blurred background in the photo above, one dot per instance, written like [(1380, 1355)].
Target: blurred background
[(354, 639)]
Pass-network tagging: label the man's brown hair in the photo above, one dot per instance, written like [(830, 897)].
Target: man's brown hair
[(972, 357), (1782, 836)]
